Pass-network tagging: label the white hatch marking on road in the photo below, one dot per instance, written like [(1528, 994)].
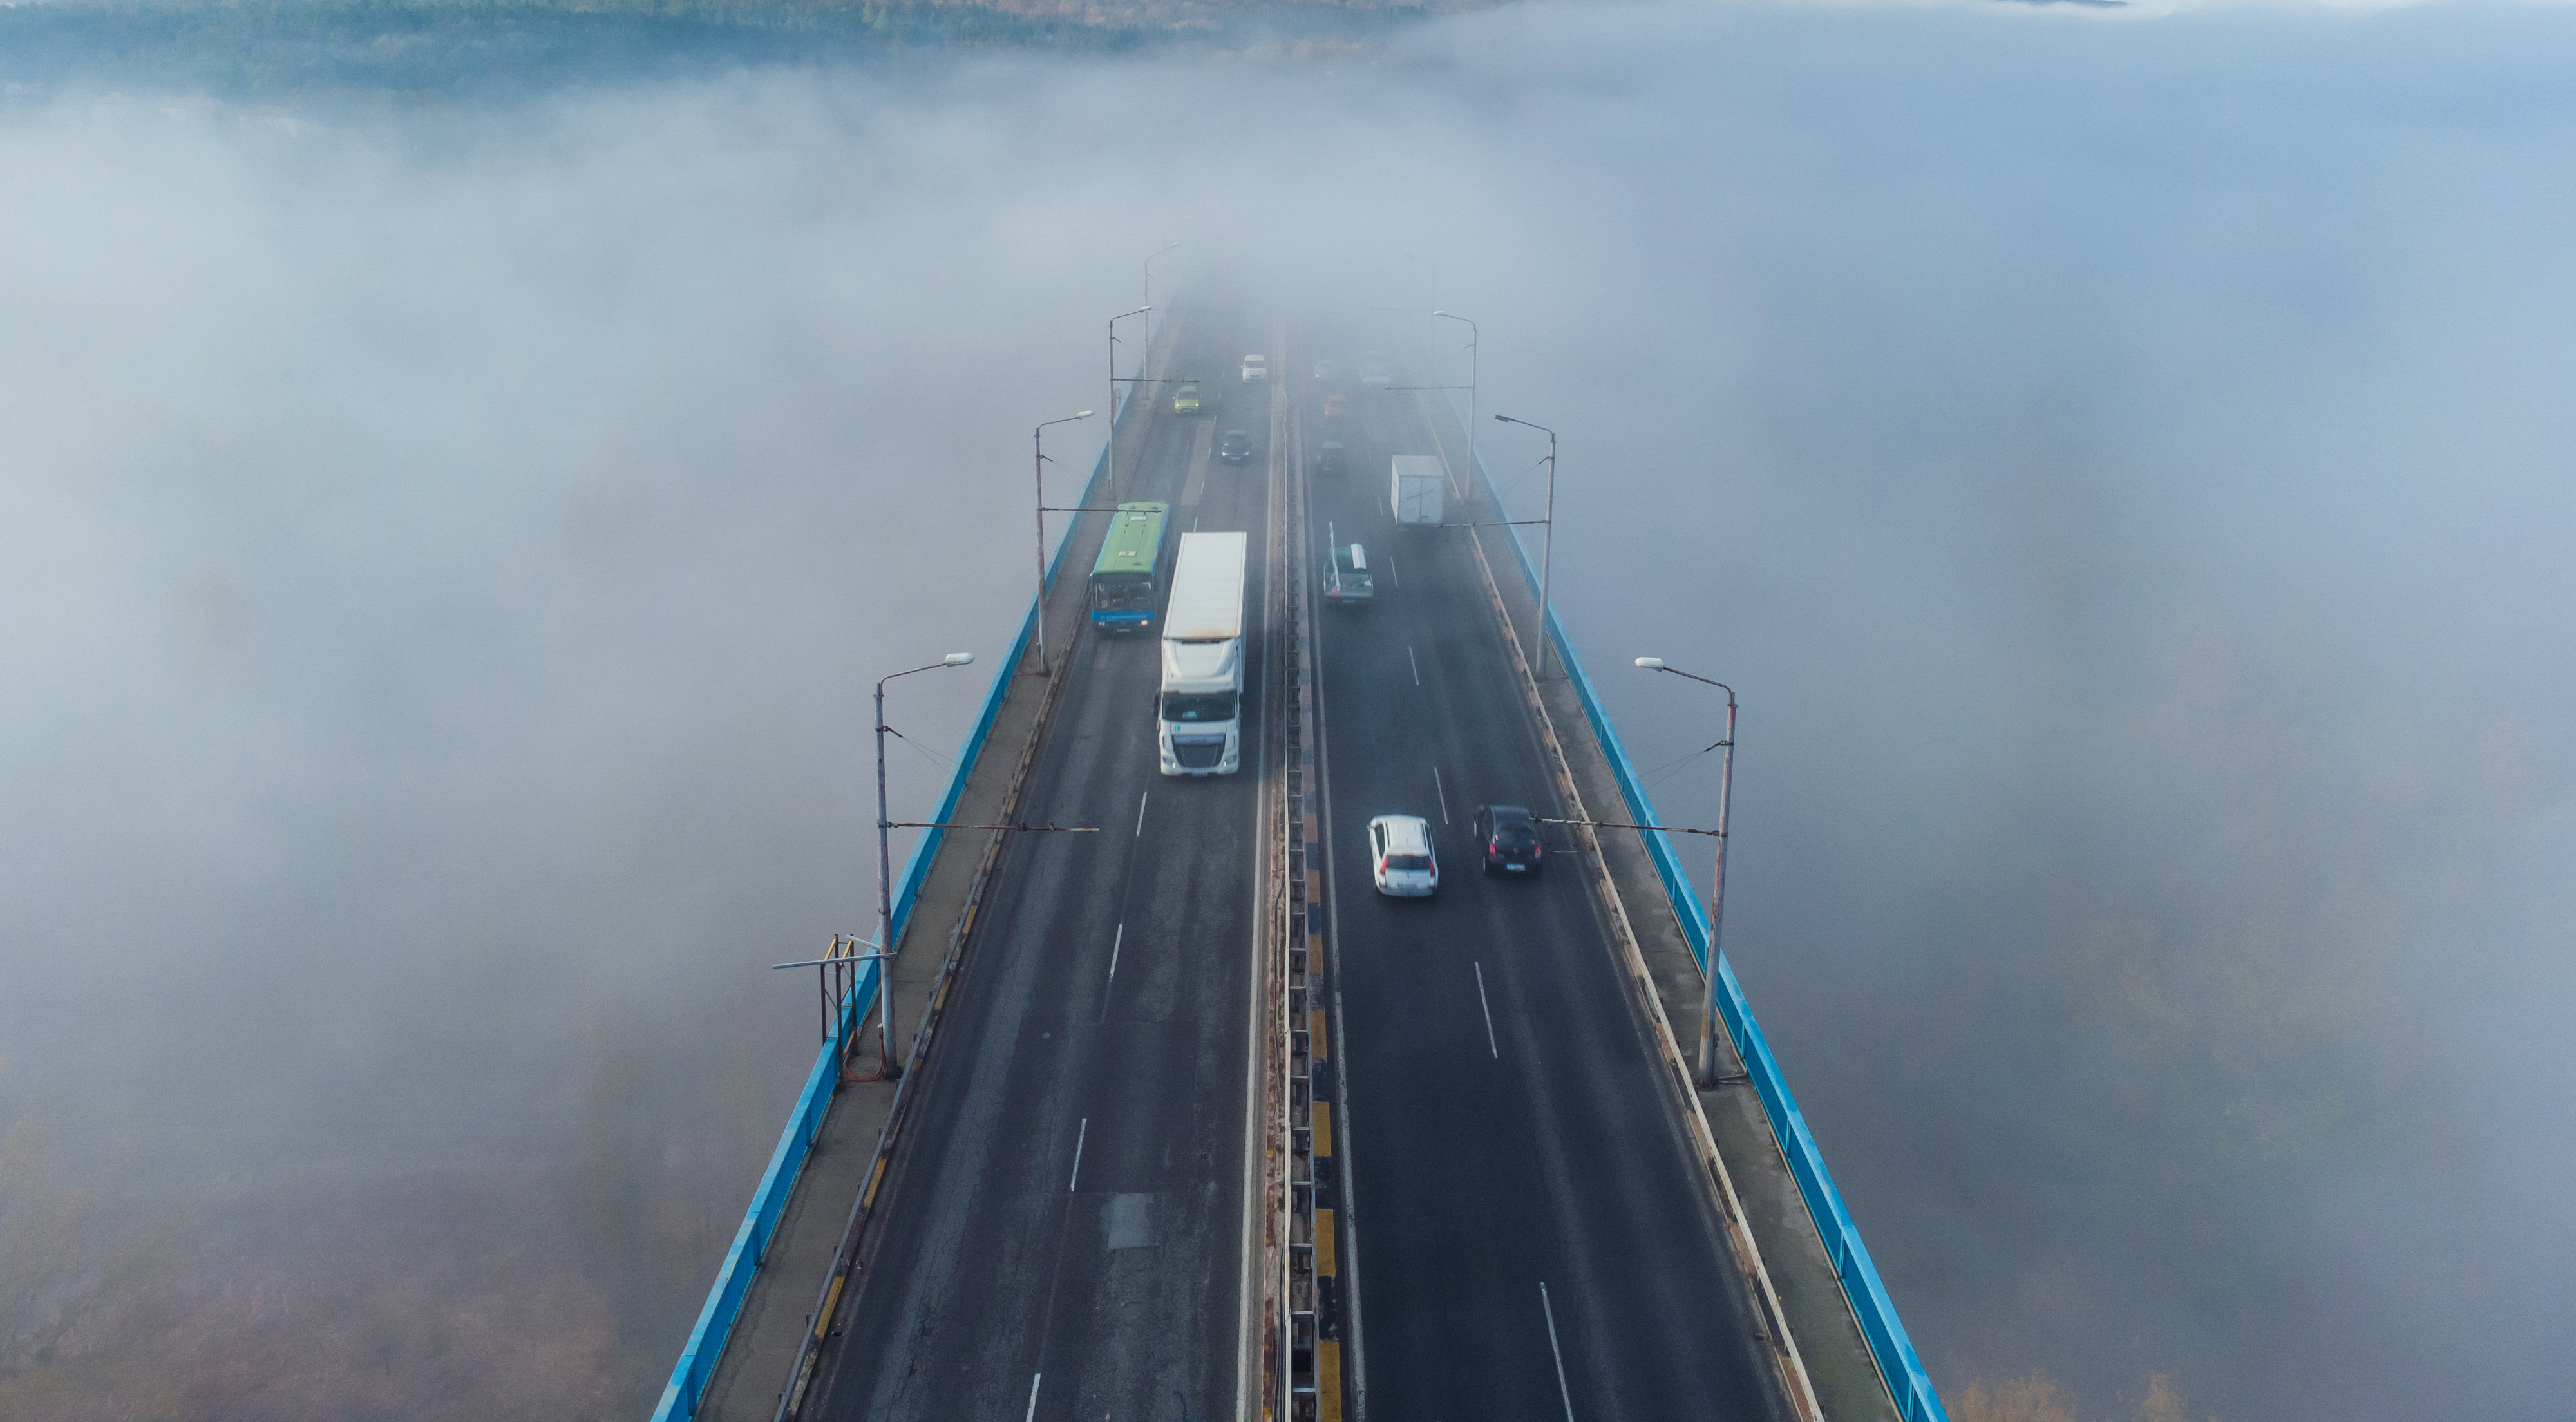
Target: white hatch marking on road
[(1079, 1137), (1417, 663), (1442, 791), (1562, 1391), (1034, 1380), (1140, 810), (1488, 1005)]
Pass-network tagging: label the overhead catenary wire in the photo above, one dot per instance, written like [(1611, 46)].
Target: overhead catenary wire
[(1666, 771)]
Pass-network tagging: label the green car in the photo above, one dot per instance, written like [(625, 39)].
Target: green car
[(1185, 401), (1346, 577)]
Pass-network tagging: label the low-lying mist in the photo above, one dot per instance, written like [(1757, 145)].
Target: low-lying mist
[(2120, 461)]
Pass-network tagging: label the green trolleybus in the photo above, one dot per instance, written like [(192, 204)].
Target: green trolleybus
[(1128, 580)]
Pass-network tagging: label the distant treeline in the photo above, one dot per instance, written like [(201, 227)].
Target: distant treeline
[(248, 49)]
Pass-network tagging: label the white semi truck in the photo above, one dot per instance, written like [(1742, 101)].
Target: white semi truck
[(1420, 490), (1198, 714)]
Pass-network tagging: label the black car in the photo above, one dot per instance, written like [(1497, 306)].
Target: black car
[(1333, 459), (1507, 840), (1235, 447)]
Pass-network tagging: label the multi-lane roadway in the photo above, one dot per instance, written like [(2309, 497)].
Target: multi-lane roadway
[(1065, 1230), (1533, 1234)]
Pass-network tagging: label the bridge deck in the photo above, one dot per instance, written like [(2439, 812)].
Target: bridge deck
[(1061, 1229)]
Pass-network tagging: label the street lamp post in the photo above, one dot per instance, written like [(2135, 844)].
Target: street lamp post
[(885, 861), (1547, 540), (1149, 275), (1717, 892), (1037, 437), (1475, 358), (1112, 456)]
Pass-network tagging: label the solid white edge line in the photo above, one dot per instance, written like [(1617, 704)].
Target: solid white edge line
[(1489, 1013), (1562, 1390), (1076, 1178)]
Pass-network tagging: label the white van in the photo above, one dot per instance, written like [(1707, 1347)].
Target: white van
[(1256, 368), (1416, 495)]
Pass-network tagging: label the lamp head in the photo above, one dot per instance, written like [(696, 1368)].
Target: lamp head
[(956, 659), (1651, 663)]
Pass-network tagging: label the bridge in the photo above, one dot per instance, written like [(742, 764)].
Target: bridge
[(1192, 1123)]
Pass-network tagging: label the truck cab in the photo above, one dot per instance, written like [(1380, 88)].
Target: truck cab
[(1200, 712)]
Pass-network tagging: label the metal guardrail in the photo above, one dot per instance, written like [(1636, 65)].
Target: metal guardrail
[(1908, 1384), (697, 1364)]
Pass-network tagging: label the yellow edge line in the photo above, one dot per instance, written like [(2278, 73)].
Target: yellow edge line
[(823, 1316)]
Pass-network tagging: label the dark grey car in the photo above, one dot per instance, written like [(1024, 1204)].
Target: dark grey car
[(1507, 842)]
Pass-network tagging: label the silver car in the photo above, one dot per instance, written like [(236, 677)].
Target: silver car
[(1400, 857)]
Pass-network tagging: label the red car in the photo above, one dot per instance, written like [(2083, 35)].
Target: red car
[(1336, 406)]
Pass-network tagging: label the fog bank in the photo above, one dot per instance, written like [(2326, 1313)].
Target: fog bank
[(2120, 464)]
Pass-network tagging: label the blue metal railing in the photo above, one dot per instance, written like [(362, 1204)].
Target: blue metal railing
[(1907, 1382), (689, 1377)]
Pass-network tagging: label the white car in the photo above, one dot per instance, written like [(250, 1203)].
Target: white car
[(1327, 372), (1400, 857), (1256, 368)]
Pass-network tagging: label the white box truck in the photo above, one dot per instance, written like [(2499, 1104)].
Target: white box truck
[(1420, 491), (1198, 713)]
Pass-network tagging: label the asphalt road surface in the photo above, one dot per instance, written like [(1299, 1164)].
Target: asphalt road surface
[(1065, 1228), (1532, 1237)]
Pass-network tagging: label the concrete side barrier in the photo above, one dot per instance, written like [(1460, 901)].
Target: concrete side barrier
[(1908, 1384), (751, 1240), (706, 1343)]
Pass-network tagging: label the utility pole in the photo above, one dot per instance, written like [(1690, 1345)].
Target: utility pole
[(1717, 892), (1038, 438), (1113, 396), (1547, 540), (885, 859)]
